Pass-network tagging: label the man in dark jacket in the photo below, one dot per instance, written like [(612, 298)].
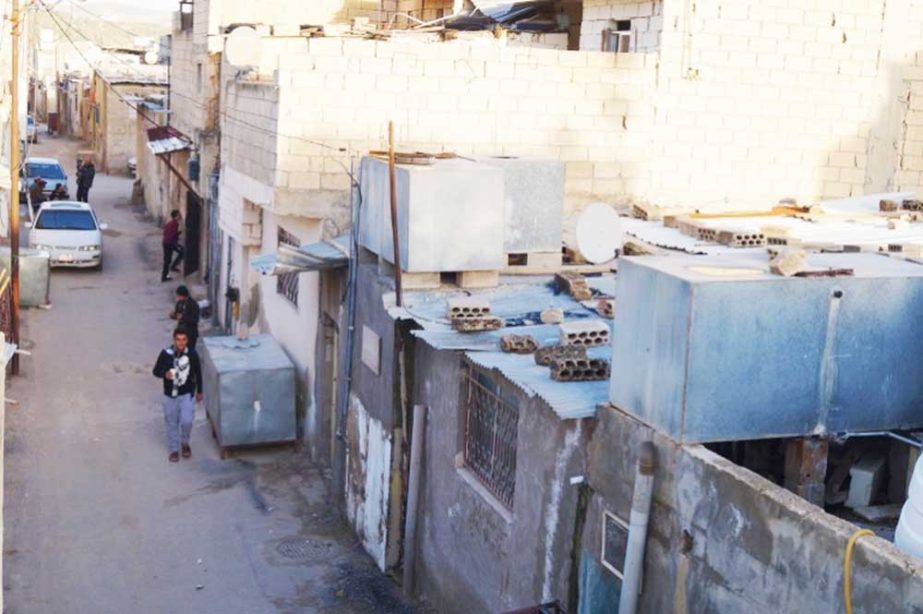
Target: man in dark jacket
[(85, 177), (186, 314), (179, 369), (171, 245)]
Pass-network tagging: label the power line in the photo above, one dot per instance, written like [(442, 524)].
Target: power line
[(226, 115), (103, 19)]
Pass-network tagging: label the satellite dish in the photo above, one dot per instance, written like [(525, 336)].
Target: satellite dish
[(598, 233), (151, 57), (242, 47)]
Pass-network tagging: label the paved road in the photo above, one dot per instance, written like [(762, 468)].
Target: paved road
[(98, 521)]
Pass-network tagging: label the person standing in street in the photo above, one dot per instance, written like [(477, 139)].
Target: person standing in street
[(186, 314), (179, 369), (37, 193), (85, 177), (170, 246)]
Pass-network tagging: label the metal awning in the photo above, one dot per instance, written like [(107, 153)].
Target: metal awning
[(166, 139), (319, 256)]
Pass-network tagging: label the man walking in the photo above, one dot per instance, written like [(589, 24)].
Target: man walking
[(179, 369), (85, 176), (170, 246), (186, 314)]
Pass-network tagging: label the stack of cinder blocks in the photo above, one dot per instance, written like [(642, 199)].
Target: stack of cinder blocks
[(546, 355), (912, 205), (518, 344), (471, 314), (569, 362), (574, 284)]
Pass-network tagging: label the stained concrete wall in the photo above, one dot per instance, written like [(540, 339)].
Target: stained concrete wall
[(475, 555), (723, 539)]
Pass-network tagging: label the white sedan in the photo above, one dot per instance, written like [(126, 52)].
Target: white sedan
[(70, 233)]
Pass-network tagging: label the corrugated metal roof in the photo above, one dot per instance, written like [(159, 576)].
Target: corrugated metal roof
[(315, 256), (569, 400), (519, 303), (168, 145)]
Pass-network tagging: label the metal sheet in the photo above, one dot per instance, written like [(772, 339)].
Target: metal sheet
[(569, 400), (317, 256), (34, 275), (249, 391), (714, 348)]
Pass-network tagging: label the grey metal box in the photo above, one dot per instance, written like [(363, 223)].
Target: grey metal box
[(714, 348), (249, 390), (450, 215), (34, 275), (534, 203)]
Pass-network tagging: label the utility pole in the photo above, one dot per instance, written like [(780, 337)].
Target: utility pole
[(16, 27)]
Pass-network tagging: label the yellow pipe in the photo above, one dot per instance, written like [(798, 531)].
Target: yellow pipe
[(847, 564)]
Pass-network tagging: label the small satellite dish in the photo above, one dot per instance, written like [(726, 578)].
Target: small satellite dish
[(151, 57), (242, 47), (598, 233)]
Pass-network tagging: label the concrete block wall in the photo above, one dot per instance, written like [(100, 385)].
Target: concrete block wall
[(760, 99), (646, 23), (723, 539), (249, 121), (590, 110)]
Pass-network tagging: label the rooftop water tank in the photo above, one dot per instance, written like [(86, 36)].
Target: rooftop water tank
[(909, 534)]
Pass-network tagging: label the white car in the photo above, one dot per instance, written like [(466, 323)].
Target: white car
[(70, 233)]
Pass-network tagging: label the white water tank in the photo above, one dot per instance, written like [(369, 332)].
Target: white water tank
[(909, 534)]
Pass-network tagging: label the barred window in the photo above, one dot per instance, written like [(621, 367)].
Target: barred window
[(491, 434), (287, 283)]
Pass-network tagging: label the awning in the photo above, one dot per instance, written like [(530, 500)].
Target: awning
[(318, 256), (166, 139)]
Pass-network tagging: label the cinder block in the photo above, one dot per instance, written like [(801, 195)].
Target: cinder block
[(865, 480), (579, 369), (468, 307), (472, 325), (605, 307), (586, 333), (518, 344), (545, 355), (574, 284)]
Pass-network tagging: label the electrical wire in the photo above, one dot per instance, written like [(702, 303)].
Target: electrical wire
[(344, 150), (847, 566), (104, 20)]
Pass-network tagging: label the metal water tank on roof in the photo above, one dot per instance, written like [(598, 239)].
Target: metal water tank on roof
[(450, 215), (715, 348), (249, 390)]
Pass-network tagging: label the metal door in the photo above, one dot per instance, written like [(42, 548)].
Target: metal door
[(193, 233)]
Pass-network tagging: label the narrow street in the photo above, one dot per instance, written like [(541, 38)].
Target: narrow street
[(97, 520)]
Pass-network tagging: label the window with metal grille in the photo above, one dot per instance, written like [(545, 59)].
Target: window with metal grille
[(491, 434), (287, 283)]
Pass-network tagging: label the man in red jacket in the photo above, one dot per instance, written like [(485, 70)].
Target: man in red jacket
[(171, 245)]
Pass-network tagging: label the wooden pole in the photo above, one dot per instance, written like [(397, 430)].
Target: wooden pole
[(395, 235), (14, 183)]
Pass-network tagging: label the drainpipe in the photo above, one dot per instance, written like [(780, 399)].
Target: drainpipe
[(338, 462), (637, 529), (413, 497)]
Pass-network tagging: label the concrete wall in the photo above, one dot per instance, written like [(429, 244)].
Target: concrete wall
[(115, 131), (737, 106), (295, 327), (474, 555), (723, 539), (646, 23)]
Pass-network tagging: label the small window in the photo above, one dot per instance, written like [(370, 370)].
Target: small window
[(491, 434), (617, 39), (287, 283), (198, 77), (185, 15)]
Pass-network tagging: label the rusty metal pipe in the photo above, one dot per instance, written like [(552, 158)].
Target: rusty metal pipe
[(395, 235)]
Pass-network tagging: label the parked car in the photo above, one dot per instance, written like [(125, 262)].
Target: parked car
[(48, 169), (70, 232), (31, 129)]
